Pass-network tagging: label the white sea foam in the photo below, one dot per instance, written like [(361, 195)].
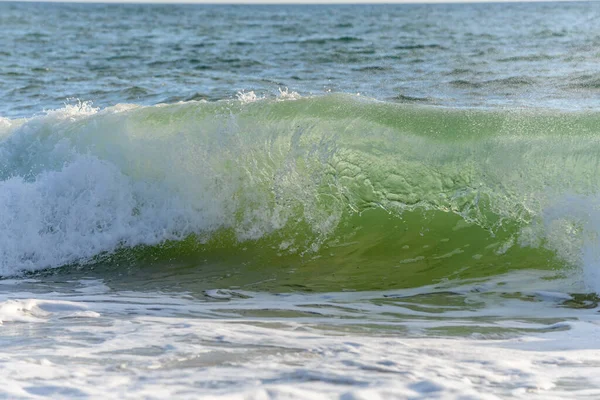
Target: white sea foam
[(76, 183), (572, 228), (248, 97), (150, 345), (285, 94)]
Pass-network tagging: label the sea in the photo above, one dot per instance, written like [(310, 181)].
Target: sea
[(353, 202)]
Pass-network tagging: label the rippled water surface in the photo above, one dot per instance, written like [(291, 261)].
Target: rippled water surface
[(299, 202), (541, 54)]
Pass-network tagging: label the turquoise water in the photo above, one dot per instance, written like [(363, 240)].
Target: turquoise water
[(349, 201)]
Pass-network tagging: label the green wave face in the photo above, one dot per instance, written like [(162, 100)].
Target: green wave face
[(323, 193)]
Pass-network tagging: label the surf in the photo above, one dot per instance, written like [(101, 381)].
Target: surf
[(332, 192)]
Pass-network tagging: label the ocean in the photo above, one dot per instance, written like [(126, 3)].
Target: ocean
[(300, 201)]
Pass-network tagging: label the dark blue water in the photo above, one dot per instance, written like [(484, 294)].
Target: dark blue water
[(536, 54)]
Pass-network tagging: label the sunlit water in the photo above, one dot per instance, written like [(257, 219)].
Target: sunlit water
[(299, 202)]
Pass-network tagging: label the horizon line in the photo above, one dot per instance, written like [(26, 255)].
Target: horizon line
[(293, 2)]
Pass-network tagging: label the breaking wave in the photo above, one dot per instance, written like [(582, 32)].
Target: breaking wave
[(328, 183)]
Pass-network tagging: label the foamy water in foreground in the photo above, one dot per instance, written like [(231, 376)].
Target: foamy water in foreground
[(96, 342)]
